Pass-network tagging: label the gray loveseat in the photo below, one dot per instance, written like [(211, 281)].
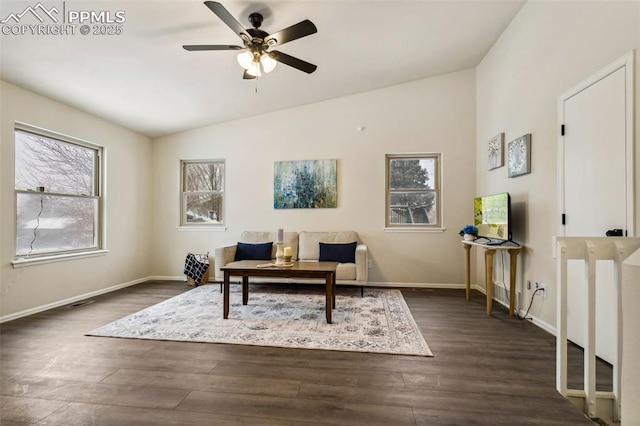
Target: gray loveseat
[(305, 246)]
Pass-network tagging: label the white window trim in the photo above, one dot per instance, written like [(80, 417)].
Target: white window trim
[(403, 228), (32, 261), (436, 230), (210, 228), (183, 225), (18, 125), (101, 243)]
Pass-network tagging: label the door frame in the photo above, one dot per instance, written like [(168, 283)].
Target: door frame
[(627, 62)]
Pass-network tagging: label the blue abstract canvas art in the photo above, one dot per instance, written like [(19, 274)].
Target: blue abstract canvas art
[(307, 184)]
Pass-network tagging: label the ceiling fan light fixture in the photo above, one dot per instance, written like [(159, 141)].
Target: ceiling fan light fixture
[(268, 63), (245, 59), (254, 69), (253, 54)]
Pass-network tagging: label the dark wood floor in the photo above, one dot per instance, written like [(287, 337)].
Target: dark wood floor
[(486, 371)]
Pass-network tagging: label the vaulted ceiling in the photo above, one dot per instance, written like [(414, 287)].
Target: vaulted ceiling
[(144, 80)]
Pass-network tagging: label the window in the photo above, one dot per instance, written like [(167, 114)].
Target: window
[(58, 199), (202, 193), (413, 191)]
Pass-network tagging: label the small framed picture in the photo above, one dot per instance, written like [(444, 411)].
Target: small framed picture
[(495, 157), (519, 153)]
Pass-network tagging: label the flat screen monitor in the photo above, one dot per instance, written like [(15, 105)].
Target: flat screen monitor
[(492, 216)]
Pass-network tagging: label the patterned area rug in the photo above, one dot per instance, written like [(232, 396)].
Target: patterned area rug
[(283, 316)]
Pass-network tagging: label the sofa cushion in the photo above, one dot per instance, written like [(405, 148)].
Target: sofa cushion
[(338, 252), (309, 242), (247, 251), (290, 240)]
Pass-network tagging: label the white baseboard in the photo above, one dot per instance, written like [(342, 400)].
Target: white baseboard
[(70, 300), (168, 278), (415, 285), (535, 320), (538, 322)]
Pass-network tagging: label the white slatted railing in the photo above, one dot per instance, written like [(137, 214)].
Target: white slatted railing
[(616, 249)]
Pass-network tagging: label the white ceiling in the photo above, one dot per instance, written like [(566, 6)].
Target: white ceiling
[(144, 80)]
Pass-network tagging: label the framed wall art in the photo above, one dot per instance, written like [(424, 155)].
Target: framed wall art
[(495, 156), (519, 152), (305, 184)]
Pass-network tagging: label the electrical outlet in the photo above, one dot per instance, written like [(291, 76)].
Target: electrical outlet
[(528, 285), (369, 264), (542, 288)]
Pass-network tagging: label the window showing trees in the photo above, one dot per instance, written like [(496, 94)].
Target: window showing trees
[(202, 193), (58, 200), (413, 191)]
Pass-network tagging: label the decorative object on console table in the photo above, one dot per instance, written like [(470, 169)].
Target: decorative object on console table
[(520, 156), (287, 255), (469, 232), (495, 157)]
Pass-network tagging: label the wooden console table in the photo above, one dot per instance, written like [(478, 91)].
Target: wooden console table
[(489, 251)]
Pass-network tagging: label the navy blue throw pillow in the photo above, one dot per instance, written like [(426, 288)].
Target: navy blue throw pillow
[(247, 251), (341, 253)]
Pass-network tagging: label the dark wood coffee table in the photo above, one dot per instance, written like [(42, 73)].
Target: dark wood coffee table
[(249, 268)]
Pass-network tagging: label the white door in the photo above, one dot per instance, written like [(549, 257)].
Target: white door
[(594, 147), (596, 191)]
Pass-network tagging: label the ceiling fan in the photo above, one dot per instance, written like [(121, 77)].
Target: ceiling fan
[(256, 56)]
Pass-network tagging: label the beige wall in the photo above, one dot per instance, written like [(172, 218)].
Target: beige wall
[(432, 115), (128, 206), (548, 48)]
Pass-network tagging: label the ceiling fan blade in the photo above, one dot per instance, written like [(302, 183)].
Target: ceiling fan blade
[(192, 47), (293, 62), (294, 32), (227, 18), (248, 76)]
